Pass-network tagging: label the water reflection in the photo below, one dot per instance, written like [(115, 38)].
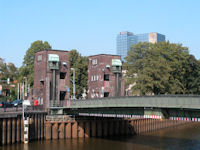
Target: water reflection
[(187, 137)]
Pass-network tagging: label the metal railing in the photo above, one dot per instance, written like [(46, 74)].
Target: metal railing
[(161, 101), (38, 108)]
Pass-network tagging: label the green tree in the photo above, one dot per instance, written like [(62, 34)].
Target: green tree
[(80, 64), (28, 64), (161, 68), (8, 71)]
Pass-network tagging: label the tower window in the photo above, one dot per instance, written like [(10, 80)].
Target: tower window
[(62, 95), (106, 94), (62, 75), (106, 77)]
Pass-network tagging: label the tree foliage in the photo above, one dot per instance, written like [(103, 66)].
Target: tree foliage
[(28, 64), (162, 68), (8, 70), (80, 64)]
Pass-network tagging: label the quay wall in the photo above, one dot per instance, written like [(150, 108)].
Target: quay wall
[(12, 129)]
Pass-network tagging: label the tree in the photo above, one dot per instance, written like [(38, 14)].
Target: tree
[(80, 64), (28, 64), (8, 71), (161, 68)]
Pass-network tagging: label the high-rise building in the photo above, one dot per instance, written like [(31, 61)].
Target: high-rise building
[(126, 39)]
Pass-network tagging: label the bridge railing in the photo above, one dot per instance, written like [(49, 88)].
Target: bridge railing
[(171, 101)]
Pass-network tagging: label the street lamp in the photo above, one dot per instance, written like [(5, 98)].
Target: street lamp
[(73, 81)]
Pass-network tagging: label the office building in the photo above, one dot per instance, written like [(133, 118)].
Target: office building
[(126, 39)]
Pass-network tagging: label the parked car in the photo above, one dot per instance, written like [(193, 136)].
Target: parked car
[(17, 103), (5, 104)]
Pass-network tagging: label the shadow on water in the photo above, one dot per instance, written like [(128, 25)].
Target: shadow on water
[(183, 138)]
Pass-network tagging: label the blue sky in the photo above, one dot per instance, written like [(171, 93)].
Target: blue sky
[(91, 26)]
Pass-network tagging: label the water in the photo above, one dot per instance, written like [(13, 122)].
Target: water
[(184, 138)]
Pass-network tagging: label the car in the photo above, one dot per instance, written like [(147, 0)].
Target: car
[(5, 104), (17, 103)]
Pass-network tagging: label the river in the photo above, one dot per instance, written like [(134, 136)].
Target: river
[(183, 138)]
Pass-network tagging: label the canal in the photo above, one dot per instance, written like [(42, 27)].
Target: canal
[(184, 138)]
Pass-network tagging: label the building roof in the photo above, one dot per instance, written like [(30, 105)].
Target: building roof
[(53, 50), (105, 54)]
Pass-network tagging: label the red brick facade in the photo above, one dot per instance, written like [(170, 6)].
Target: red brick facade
[(101, 79), (43, 78)]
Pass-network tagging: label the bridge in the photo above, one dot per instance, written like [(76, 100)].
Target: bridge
[(163, 106)]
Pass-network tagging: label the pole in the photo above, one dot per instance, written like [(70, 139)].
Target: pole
[(23, 111), (117, 85), (25, 88), (54, 87), (74, 89), (18, 91)]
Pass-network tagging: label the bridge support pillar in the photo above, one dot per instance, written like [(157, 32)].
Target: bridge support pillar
[(13, 130), (116, 127), (47, 131), (61, 131), (18, 130), (81, 129), (105, 128), (111, 131), (94, 130), (4, 132), (8, 131), (22, 130), (74, 130), (122, 127), (42, 126), (99, 128), (68, 130), (39, 126), (55, 131), (87, 129)]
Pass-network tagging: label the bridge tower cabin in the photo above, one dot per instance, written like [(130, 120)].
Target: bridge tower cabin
[(51, 78), (104, 76)]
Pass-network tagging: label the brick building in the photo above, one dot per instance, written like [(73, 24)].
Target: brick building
[(104, 76), (51, 77)]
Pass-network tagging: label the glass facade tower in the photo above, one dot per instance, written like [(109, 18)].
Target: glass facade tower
[(126, 39)]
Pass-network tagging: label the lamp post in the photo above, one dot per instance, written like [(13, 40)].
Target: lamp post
[(73, 81)]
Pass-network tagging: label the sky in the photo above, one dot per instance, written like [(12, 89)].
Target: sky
[(91, 26)]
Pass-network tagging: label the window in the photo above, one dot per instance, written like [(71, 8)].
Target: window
[(62, 95), (39, 58), (62, 75), (106, 77), (94, 62), (106, 94), (91, 78)]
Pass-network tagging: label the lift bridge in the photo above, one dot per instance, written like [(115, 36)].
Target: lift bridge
[(174, 107)]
